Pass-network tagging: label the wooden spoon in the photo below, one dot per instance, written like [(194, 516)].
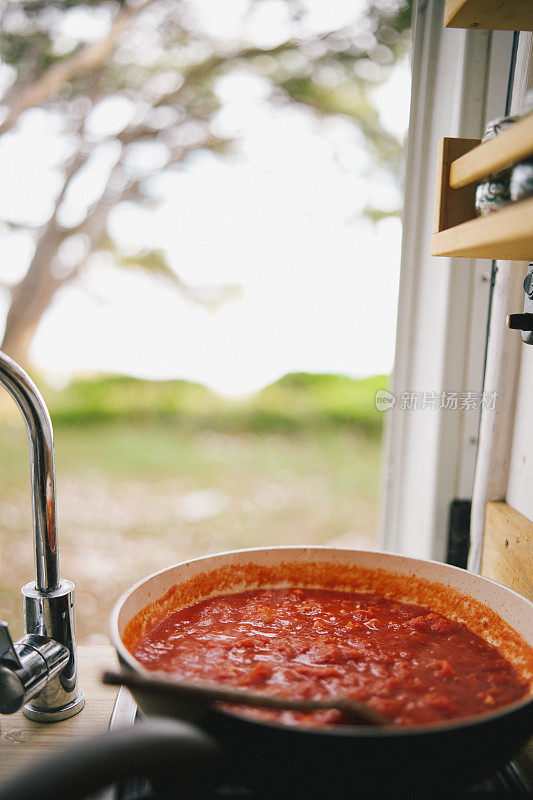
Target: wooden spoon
[(354, 712)]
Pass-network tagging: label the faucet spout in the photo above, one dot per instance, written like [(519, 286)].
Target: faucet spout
[(41, 439), (39, 671)]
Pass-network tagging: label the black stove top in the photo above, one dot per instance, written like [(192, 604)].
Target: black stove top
[(513, 782), (508, 784)]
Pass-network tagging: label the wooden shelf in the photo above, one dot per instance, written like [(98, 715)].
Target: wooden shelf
[(462, 163), (489, 15), (509, 147), (506, 234), (452, 206)]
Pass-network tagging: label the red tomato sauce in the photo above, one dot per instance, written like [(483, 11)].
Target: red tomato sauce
[(415, 666)]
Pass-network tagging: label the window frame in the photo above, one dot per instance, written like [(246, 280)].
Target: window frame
[(460, 80)]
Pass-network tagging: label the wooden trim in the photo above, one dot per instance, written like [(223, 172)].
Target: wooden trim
[(489, 15), (508, 548), (506, 234), (452, 206), (507, 148)]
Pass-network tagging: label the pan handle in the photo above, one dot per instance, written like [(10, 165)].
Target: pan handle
[(151, 747)]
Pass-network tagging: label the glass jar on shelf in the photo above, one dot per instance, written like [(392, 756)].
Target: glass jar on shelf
[(521, 180), (495, 191)]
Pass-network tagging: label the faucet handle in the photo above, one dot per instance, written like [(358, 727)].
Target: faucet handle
[(8, 654), (12, 692), (26, 668)]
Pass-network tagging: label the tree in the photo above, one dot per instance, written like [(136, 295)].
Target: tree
[(157, 59)]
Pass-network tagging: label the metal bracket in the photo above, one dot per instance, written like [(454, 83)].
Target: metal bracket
[(524, 322)]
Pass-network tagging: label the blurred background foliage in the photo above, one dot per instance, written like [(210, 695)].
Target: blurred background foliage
[(296, 402)]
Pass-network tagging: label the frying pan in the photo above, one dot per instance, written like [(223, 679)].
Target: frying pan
[(368, 762), (199, 744)]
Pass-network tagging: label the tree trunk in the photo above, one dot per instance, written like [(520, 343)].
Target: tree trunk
[(31, 297)]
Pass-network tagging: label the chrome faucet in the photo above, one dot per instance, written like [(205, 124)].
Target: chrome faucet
[(39, 671)]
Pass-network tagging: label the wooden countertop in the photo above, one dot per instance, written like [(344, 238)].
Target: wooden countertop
[(22, 740)]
